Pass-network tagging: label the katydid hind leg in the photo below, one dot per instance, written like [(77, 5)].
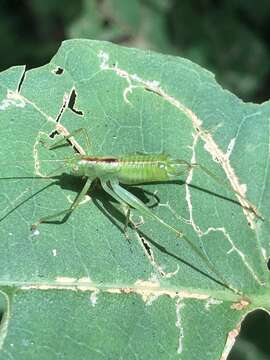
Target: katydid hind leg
[(109, 191), (250, 207), (127, 219), (138, 205), (67, 212)]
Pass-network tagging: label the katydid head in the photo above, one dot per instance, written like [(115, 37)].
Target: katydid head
[(71, 165)]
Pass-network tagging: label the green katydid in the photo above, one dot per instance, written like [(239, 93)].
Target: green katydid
[(133, 169), (129, 170)]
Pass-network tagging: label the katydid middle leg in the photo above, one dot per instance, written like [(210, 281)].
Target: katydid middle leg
[(67, 212)]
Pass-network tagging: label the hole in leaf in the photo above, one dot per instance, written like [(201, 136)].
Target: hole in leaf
[(71, 104), (58, 71), (147, 247), (21, 82), (53, 134), (253, 340), (268, 264), (3, 306)]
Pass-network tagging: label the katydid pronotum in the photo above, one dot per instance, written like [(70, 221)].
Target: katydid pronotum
[(128, 170)]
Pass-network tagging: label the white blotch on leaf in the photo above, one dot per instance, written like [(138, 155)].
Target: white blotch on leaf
[(93, 297), (13, 99)]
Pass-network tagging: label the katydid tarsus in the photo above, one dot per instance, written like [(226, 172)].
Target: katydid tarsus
[(112, 171)]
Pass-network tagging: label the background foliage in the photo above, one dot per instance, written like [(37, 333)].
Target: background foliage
[(229, 38)]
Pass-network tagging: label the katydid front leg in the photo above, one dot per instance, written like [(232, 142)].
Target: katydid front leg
[(72, 134)]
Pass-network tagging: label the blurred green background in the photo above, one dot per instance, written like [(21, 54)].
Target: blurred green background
[(231, 38)]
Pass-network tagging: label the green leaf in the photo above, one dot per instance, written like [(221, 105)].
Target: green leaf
[(80, 289)]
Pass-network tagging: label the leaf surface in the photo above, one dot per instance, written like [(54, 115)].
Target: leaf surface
[(80, 289)]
